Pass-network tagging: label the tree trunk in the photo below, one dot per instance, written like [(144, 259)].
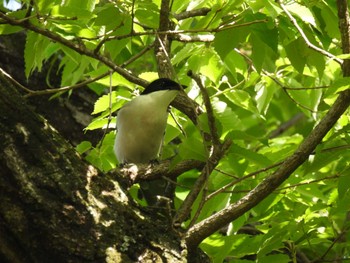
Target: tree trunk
[(56, 208)]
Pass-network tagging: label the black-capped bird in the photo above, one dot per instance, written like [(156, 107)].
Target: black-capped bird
[(141, 125)]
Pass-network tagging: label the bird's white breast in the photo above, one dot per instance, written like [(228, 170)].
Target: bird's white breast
[(140, 127)]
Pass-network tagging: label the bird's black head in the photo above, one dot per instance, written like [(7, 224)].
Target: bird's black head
[(161, 84)]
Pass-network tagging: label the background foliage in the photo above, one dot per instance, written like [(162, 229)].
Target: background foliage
[(268, 84)]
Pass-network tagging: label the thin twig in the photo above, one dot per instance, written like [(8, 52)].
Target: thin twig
[(140, 54), (177, 123), (336, 176), (225, 187), (15, 82), (195, 38), (185, 208), (78, 47), (218, 150), (286, 125), (188, 31), (279, 83), (307, 41), (201, 202), (66, 88), (109, 109), (226, 173), (210, 112)]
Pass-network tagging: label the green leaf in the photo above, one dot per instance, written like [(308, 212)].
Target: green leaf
[(278, 258), (148, 14), (103, 158), (295, 51), (340, 84), (302, 12), (235, 64), (117, 100), (45, 6), (250, 155), (98, 124), (110, 16), (264, 94), (330, 19), (225, 41), (242, 99), (185, 52), (34, 60), (81, 13), (209, 65), (81, 4), (192, 146), (83, 147), (343, 184), (344, 56), (9, 29)]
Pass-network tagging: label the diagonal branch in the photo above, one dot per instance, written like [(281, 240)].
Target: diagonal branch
[(217, 153), (182, 102), (78, 47), (205, 228)]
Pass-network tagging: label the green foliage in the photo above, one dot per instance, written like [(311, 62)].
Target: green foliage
[(260, 74)]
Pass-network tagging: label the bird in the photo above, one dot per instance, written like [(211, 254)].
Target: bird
[(141, 125)]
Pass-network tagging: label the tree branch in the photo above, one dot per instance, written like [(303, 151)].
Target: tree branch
[(181, 102), (78, 47), (196, 38), (307, 41), (173, 33), (344, 26), (217, 153), (211, 163), (205, 228), (145, 172), (210, 112), (192, 13)]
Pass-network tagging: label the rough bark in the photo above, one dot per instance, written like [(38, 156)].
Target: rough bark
[(69, 114), (54, 207)]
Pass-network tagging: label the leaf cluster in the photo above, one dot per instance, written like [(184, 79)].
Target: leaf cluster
[(269, 78)]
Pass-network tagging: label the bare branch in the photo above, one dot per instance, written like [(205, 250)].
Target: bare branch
[(146, 172), (344, 26), (210, 112), (286, 125), (238, 180), (163, 44), (196, 38), (216, 154), (208, 226), (15, 82), (189, 31), (66, 88), (211, 163), (192, 13), (336, 176)]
